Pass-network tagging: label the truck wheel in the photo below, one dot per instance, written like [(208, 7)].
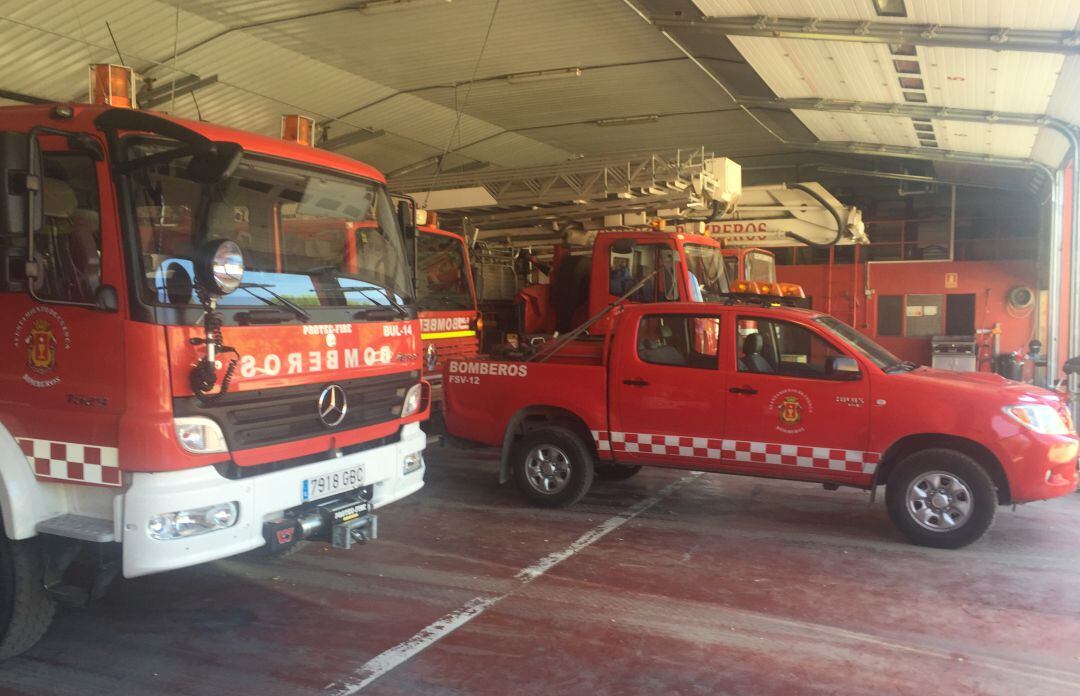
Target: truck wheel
[(616, 472), (941, 498), (25, 608), (552, 467)]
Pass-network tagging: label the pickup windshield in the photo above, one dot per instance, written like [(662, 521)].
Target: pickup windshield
[(442, 280), (873, 352), (310, 237), (707, 265)]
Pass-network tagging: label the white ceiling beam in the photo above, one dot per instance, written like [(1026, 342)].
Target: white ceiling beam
[(995, 39), (923, 111)]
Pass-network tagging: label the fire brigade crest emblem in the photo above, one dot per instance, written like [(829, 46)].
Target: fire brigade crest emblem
[(791, 407), (41, 348), (790, 410), (42, 334)]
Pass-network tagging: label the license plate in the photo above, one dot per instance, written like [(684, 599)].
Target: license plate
[(325, 485)]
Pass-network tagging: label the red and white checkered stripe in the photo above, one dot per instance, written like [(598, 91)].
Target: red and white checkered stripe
[(738, 451), (72, 461)]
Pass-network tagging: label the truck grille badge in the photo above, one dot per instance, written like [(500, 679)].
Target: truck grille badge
[(332, 405)]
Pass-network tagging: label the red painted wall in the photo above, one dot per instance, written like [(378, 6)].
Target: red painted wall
[(989, 281)]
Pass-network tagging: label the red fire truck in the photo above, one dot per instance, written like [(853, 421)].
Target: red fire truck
[(450, 322), (191, 371), (784, 393), (585, 280), (752, 270)]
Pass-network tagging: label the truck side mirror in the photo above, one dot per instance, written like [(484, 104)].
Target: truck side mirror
[(19, 210), (842, 367), (406, 219)]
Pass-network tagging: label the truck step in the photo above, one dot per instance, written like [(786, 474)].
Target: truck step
[(78, 527)]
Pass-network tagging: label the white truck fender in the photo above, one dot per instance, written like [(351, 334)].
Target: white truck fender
[(24, 501)]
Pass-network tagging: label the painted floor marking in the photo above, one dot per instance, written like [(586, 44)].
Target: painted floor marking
[(444, 626)]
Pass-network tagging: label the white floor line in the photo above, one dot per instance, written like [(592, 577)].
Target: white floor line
[(444, 626)]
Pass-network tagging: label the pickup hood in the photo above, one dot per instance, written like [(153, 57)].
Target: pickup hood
[(984, 386), (280, 356)]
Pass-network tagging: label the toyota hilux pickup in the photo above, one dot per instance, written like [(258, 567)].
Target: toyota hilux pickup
[(767, 391)]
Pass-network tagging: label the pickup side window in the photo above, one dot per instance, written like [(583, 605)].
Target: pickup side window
[(67, 248), (680, 340), (781, 347), (626, 269)]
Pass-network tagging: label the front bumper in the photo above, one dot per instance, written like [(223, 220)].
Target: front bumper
[(261, 498), (1044, 466)]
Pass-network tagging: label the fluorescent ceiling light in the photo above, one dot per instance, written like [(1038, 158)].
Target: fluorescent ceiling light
[(543, 75), (357, 136), (165, 90), (402, 171), (377, 6), (890, 8), (628, 121)]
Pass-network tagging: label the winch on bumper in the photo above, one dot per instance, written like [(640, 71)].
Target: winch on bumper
[(298, 495)]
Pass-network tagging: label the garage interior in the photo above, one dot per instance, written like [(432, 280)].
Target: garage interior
[(952, 128)]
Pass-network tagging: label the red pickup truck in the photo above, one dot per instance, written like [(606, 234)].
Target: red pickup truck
[(767, 391)]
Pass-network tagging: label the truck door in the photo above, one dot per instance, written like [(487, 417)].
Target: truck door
[(788, 412), (664, 381), (62, 364)]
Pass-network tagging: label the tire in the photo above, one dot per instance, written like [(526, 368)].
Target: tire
[(615, 472), (25, 607), (552, 458), (962, 486)]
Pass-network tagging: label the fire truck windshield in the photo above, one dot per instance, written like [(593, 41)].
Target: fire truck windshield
[(707, 265), (760, 266), (312, 238), (442, 280)]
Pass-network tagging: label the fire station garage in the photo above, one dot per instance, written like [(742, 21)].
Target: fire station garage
[(539, 347)]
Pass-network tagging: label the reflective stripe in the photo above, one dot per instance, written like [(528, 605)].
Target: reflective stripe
[(446, 334), (741, 451), (72, 461)]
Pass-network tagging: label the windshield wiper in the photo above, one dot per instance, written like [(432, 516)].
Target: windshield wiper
[(288, 304), (385, 293), (391, 304), (905, 366)]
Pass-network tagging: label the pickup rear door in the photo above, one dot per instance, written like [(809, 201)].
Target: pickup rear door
[(663, 389), (785, 416)]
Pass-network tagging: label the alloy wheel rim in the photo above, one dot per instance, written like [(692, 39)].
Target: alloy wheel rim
[(939, 501), (547, 469)]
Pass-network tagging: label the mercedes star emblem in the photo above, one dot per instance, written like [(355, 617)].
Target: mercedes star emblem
[(332, 405)]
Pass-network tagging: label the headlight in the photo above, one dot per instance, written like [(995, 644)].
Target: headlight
[(413, 399), (1038, 417), (412, 462), (219, 266), (188, 523), (199, 435)]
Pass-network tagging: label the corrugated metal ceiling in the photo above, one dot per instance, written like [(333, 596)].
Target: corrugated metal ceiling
[(404, 69), (987, 80)]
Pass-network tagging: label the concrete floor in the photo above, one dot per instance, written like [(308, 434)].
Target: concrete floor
[(668, 583)]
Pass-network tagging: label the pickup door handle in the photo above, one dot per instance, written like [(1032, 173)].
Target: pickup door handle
[(743, 390), (636, 382)]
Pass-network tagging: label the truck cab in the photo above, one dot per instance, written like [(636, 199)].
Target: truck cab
[(753, 271), (204, 358), (450, 322), (784, 393), (681, 267)]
